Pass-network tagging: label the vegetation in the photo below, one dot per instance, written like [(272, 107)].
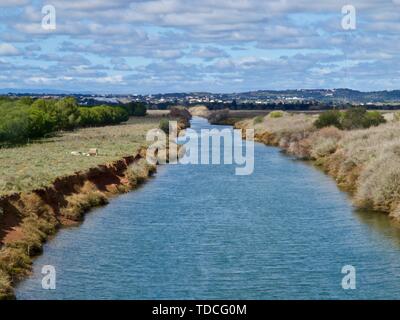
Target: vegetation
[(373, 119), (164, 125), (219, 116), (31, 162), (102, 116), (258, 119), (5, 286), (276, 114), (24, 119), (365, 161), (329, 118), (136, 109), (30, 171), (353, 118)]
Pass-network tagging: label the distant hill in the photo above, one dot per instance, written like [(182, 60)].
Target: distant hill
[(341, 95), (324, 95)]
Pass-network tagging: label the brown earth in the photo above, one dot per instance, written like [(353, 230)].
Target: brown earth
[(27, 219)]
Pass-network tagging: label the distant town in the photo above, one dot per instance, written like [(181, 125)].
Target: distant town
[(307, 99)]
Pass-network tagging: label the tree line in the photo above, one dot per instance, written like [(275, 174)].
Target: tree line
[(26, 118)]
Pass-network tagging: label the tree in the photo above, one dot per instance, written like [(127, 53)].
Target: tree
[(67, 113), (136, 109), (39, 123)]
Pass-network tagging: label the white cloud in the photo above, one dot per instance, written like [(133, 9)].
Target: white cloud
[(182, 44), (7, 49), (13, 3)]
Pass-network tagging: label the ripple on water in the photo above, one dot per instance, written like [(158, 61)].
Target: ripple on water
[(200, 232)]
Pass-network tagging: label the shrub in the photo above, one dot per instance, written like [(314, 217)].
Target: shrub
[(218, 116), (373, 119), (379, 184), (329, 118), (354, 118), (14, 127), (276, 114), (136, 109), (6, 291), (258, 119), (139, 171), (325, 141), (14, 262), (101, 116), (164, 125), (80, 203)]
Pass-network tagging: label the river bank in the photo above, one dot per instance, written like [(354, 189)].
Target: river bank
[(202, 232), (364, 162), (29, 217)]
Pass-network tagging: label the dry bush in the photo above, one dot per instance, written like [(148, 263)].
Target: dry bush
[(199, 111), (357, 149), (364, 161), (296, 144), (80, 203), (364, 145), (379, 182), (6, 291), (14, 262), (34, 232), (291, 132), (325, 141), (288, 124), (258, 119), (391, 116), (282, 131), (139, 171)]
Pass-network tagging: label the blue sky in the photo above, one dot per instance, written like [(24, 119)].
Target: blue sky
[(219, 46)]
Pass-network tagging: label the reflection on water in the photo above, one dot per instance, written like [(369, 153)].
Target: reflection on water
[(200, 232), (380, 223)]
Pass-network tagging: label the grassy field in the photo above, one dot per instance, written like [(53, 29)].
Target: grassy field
[(38, 164), (29, 218)]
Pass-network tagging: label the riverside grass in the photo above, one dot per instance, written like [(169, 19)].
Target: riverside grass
[(365, 162), (39, 164)]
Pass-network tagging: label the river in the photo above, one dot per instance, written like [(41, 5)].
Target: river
[(201, 232)]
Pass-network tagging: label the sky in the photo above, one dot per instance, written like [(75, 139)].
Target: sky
[(160, 46)]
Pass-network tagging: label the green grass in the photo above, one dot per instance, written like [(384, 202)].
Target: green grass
[(276, 114), (38, 164), (258, 119)]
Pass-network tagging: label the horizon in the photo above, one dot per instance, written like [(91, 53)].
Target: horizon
[(50, 91), (162, 46)]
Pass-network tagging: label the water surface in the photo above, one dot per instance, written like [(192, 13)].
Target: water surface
[(200, 232)]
